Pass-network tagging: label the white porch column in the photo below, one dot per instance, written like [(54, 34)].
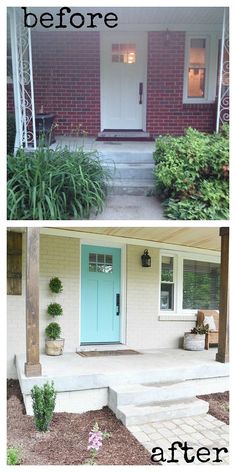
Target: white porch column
[(22, 81), (223, 87)]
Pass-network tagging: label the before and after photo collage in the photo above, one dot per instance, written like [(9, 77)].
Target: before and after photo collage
[(117, 232)]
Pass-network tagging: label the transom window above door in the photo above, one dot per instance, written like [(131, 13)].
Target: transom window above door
[(125, 53)]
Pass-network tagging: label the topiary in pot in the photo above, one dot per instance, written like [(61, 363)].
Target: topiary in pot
[(54, 345), (55, 285), (55, 309)]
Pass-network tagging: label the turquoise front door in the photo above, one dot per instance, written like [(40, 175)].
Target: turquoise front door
[(100, 294)]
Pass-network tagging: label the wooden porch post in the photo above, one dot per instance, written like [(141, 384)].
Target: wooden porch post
[(223, 347), (32, 365)]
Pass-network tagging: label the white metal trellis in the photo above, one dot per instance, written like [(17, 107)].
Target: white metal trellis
[(22, 81), (223, 88)]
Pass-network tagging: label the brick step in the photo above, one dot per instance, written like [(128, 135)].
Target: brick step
[(137, 394), (161, 411)]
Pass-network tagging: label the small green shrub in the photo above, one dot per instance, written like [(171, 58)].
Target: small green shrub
[(44, 400), (55, 185), (53, 331), (11, 133), (200, 329), (55, 309), (13, 456), (55, 285), (192, 175)]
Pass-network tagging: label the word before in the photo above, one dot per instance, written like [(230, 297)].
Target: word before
[(202, 454), (76, 20)]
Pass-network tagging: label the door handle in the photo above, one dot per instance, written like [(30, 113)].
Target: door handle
[(140, 93), (117, 304)]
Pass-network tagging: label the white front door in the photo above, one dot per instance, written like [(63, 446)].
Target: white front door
[(123, 80)]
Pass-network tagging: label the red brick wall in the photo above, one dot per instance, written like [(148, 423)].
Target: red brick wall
[(67, 82), (166, 112), (66, 68)]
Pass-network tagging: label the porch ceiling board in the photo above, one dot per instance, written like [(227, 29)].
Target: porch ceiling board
[(202, 238)]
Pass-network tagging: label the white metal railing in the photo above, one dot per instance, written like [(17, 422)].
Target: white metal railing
[(22, 71), (223, 84)]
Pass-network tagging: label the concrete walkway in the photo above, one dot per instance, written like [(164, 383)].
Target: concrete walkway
[(131, 207), (199, 431)]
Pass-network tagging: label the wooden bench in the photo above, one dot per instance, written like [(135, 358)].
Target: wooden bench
[(212, 336)]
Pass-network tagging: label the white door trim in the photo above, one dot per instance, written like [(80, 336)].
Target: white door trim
[(123, 293), (103, 36)]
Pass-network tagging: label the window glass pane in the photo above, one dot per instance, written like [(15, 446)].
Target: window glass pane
[(197, 68), (167, 296), (125, 53), (167, 266), (197, 53), (100, 263), (201, 283), (196, 83)]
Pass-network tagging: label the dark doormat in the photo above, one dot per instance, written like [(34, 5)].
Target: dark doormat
[(120, 352)]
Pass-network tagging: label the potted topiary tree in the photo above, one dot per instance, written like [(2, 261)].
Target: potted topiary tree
[(195, 340), (54, 345)]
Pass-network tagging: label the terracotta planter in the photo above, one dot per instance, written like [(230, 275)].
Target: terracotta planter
[(194, 342), (54, 347)]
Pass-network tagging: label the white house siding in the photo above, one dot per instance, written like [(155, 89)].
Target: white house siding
[(144, 329), (59, 257)]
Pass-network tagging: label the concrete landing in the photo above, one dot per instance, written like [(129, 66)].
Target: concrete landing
[(131, 207)]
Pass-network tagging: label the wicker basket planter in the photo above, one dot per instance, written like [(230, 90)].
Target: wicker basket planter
[(194, 342), (54, 347)]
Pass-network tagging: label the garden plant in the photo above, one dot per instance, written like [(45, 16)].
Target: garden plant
[(13, 456), (55, 184), (44, 400), (55, 285), (192, 175)]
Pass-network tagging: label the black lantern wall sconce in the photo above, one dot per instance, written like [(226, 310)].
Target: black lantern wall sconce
[(146, 259)]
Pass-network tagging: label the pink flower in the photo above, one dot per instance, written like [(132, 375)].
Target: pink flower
[(95, 440)]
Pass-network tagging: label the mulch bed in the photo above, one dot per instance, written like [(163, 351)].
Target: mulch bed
[(218, 405), (66, 442)]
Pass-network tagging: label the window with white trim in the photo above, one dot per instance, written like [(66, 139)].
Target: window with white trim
[(199, 75), (201, 285), (188, 282), (167, 299)]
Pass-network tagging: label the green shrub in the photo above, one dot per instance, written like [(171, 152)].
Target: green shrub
[(55, 285), (13, 456), (55, 185), (44, 400), (192, 174), (53, 331), (11, 133), (55, 309)]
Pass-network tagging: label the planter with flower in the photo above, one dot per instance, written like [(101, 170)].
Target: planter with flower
[(195, 340)]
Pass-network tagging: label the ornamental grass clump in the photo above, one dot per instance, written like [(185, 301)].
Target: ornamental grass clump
[(44, 401), (55, 184)]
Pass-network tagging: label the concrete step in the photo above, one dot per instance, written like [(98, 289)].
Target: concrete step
[(164, 391), (132, 186), (124, 134), (161, 411), (118, 156), (131, 170)]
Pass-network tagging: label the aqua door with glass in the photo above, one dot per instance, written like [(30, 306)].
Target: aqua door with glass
[(100, 294)]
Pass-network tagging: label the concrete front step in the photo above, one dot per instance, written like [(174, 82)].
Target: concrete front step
[(124, 134), (126, 157), (131, 171), (144, 393), (131, 186), (161, 411)]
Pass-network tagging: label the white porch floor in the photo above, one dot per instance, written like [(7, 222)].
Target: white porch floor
[(89, 143), (73, 372)]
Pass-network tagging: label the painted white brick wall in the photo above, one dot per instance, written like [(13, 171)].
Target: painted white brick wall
[(144, 329), (58, 257)]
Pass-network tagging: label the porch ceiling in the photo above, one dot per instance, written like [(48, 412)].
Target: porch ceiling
[(162, 16), (197, 237)]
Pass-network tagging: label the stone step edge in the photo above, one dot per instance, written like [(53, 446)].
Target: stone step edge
[(131, 415)]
